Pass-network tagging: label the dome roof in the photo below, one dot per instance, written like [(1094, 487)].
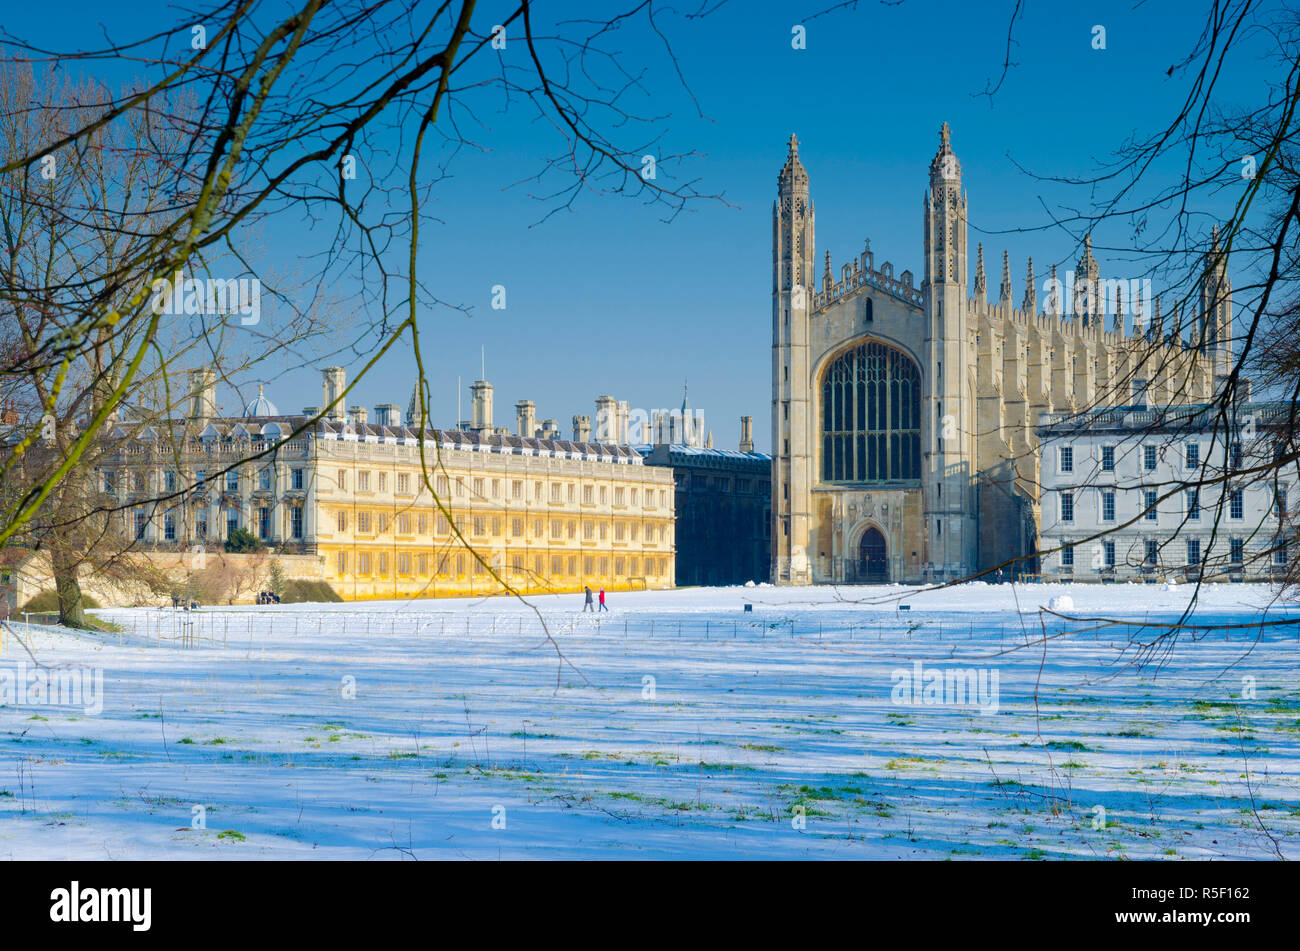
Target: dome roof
[(260, 406)]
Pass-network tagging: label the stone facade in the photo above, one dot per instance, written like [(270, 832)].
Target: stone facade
[(903, 412), (544, 514), (1117, 506), (723, 499)]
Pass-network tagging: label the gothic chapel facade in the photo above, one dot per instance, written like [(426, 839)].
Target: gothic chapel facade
[(903, 416)]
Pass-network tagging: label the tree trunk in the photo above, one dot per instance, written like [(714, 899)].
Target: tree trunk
[(71, 613)]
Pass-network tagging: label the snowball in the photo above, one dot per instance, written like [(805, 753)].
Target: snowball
[(1061, 602)]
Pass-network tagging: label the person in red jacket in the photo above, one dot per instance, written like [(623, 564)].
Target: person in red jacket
[(602, 600)]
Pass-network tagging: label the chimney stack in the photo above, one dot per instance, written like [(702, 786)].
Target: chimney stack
[(582, 428), (358, 415), (620, 436), (333, 383), (606, 419), (747, 434), (482, 400), (203, 393), (550, 429), (526, 417), (387, 414)]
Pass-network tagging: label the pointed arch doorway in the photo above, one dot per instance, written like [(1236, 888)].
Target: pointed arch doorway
[(873, 567)]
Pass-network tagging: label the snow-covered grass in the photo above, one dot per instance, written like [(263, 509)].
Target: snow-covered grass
[(676, 725)]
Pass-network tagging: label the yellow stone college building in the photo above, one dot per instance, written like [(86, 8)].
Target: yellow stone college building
[(537, 513)]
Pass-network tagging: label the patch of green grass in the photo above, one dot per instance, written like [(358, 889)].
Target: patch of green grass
[(726, 767), (762, 747), (1211, 706), (905, 762), (1068, 746), (683, 806), (232, 835)]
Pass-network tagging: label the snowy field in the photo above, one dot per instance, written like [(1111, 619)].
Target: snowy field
[(677, 725)]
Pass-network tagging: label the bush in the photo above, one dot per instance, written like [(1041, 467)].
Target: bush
[(47, 602), (297, 591), (242, 541)]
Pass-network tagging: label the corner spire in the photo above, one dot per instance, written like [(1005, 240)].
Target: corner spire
[(981, 285), (1004, 292), (413, 409), (944, 167), (793, 175), (1030, 303), (1088, 263)]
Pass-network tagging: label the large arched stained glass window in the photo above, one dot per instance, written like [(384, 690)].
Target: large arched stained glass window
[(871, 416)]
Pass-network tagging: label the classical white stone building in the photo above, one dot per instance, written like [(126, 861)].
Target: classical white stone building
[(903, 412), (1165, 492)]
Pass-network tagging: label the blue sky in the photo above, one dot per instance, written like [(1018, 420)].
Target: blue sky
[(609, 298)]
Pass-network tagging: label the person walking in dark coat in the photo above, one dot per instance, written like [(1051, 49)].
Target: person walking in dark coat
[(603, 606), (587, 606)]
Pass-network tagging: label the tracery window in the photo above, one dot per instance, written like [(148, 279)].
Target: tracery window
[(871, 416)]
